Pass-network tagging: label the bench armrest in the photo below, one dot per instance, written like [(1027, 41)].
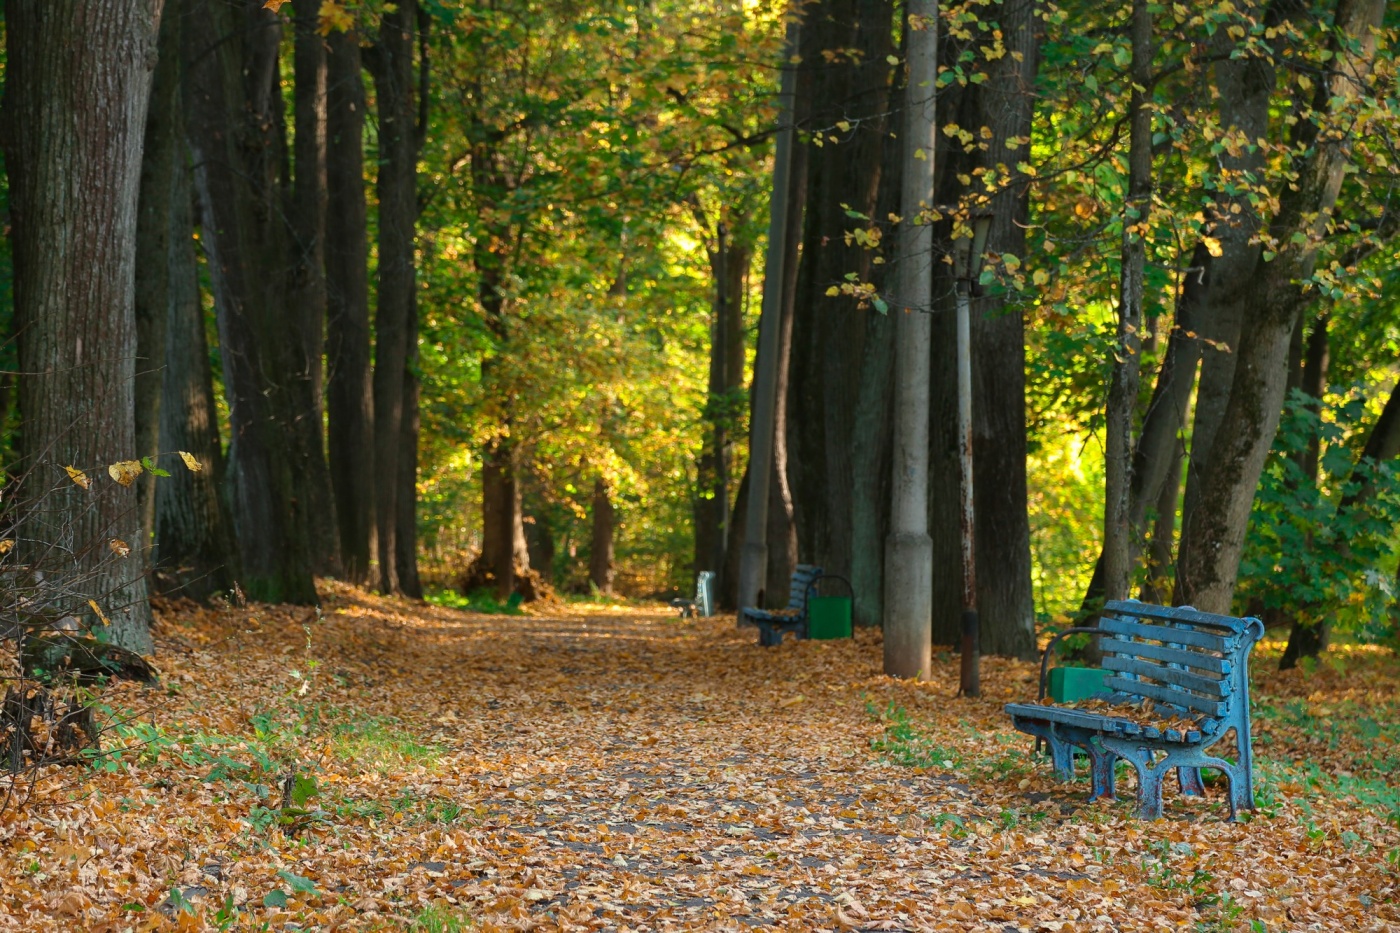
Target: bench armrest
[(1050, 649)]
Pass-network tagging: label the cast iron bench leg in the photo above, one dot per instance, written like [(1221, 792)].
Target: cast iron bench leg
[(1101, 762), (1190, 780)]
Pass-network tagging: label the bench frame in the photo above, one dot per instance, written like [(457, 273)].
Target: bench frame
[(772, 626), (1186, 662)]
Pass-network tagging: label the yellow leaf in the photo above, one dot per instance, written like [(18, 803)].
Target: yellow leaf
[(191, 462), (78, 476), (119, 547), (100, 614), (335, 18), (833, 291), (1212, 245), (125, 471), (6, 545), (1040, 277)]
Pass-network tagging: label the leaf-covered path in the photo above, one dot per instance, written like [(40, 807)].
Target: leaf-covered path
[(608, 768)]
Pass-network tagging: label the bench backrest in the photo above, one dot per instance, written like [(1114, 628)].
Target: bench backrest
[(705, 593), (1192, 662), (802, 578)]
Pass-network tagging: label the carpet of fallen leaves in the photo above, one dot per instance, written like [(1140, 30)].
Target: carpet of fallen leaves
[(387, 765)]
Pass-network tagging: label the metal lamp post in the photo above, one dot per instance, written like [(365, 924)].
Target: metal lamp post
[(967, 269)]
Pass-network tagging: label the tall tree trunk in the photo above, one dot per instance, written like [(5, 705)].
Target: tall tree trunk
[(782, 524), (392, 67), (349, 399), (1308, 632), (164, 146), (767, 438), (504, 549), (829, 333), (78, 78), (1213, 533), (406, 533), (1119, 547), (195, 553), (600, 558), (729, 261), (909, 549), (307, 298), (1245, 82), (1208, 300), (1005, 599), (233, 110), (539, 542), (1162, 548)]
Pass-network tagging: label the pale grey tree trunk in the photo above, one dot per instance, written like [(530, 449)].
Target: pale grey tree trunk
[(770, 366), (909, 549)]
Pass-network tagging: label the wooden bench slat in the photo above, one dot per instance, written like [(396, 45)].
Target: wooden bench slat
[(1178, 636), (802, 577), (1183, 699), (1134, 609), (1196, 659), (1168, 675)]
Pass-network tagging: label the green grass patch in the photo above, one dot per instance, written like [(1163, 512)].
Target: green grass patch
[(380, 743), (483, 601)]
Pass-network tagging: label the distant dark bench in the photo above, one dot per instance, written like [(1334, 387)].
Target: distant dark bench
[(1191, 666), (773, 624)]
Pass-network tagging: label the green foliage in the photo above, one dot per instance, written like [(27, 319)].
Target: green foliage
[(1324, 548), (578, 161)]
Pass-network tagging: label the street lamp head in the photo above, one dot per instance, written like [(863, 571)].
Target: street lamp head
[(967, 251)]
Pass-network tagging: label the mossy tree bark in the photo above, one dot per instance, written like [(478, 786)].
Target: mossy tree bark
[(78, 78)]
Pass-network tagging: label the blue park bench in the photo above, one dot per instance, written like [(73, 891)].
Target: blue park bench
[(772, 625), (1177, 665)]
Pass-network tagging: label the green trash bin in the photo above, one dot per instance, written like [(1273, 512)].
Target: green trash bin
[(1072, 684), (829, 616)]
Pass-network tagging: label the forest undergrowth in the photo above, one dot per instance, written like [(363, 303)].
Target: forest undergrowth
[(386, 765)]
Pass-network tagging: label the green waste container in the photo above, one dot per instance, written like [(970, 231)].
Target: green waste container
[(829, 616), (1072, 684)]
